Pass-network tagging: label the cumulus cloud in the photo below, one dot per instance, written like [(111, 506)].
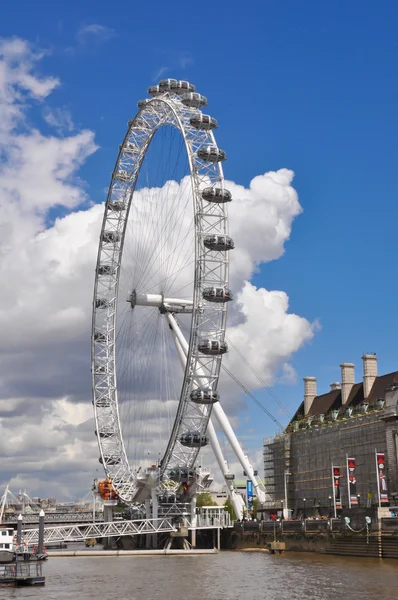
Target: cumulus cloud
[(46, 425)]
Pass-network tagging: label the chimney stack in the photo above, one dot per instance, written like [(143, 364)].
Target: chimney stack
[(336, 385), (309, 393), (347, 380), (369, 373)]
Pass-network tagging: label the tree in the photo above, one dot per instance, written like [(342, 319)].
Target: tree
[(255, 507), (204, 499), (230, 509)]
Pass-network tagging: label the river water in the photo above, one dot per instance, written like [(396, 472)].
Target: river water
[(225, 576)]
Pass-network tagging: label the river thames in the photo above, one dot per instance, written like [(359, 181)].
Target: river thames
[(226, 576)]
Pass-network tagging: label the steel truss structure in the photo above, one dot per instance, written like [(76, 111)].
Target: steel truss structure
[(202, 351), (78, 533)]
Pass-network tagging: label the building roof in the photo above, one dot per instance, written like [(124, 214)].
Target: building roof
[(325, 403), (380, 385)]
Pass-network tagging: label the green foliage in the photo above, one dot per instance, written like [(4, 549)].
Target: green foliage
[(230, 509), (255, 507), (204, 499)]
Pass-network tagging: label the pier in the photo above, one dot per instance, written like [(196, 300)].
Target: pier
[(21, 574)]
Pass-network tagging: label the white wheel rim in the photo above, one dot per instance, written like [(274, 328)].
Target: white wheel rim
[(208, 318)]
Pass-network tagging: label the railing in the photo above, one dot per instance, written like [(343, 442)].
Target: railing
[(389, 524), (70, 517), (332, 525), (222, 520), (21, 570), (77, 533)]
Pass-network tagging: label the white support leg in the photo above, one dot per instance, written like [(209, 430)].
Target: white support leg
[(223, 422), (243, 459)]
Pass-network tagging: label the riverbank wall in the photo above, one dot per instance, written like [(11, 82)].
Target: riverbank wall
[(375, 538)]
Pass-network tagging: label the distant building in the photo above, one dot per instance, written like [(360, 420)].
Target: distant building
[(353, 419), (220, 496)]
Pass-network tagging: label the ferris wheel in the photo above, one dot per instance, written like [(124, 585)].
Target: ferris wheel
[(160, 300)]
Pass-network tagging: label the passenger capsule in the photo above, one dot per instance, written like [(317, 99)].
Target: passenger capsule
[(122, 176), (194, 100), (142, 103), (100, 337), (110, 237), (101, 303), (116, 205), (103, 402), (165, 84), (218, 242), (218, 195), (204, 396), (229, 476), (194, 439), (103, 434), (182, 87), (212, 347), (211, 154), (181, 474), (106, 270), (167, 498), (217, 294), (154, 91), (110, 460), (205, 122)]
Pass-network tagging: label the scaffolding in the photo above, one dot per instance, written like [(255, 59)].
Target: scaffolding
[(308, 452)]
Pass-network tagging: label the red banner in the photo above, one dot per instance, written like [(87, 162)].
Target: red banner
[(336, 487), (381, 477), (352, 482)]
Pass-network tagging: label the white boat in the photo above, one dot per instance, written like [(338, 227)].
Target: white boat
[(7, 545)]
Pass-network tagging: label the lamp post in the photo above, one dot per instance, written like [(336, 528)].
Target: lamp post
[(330, 506), (359, 499), (305, 505), (285, 510)]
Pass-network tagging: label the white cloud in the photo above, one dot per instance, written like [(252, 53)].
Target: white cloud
[(17, 84), (185, 60), (59, 118), (160, 72), (94, 32), (45, 306)]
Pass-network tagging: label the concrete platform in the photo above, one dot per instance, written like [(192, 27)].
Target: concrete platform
[(105, 553)]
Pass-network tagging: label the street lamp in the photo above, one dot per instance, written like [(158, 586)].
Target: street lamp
[(359, 499), (330, 506), (305, 504), (286, 510)]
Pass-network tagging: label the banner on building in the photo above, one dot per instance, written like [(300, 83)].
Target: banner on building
[(352, 482), (249, 494), (381, 477), (336, 487)]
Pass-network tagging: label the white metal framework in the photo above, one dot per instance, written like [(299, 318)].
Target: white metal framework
[(209, 274), (162, 268), (214, 518)]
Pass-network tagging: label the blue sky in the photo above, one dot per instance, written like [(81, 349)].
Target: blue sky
[(309, 86)]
